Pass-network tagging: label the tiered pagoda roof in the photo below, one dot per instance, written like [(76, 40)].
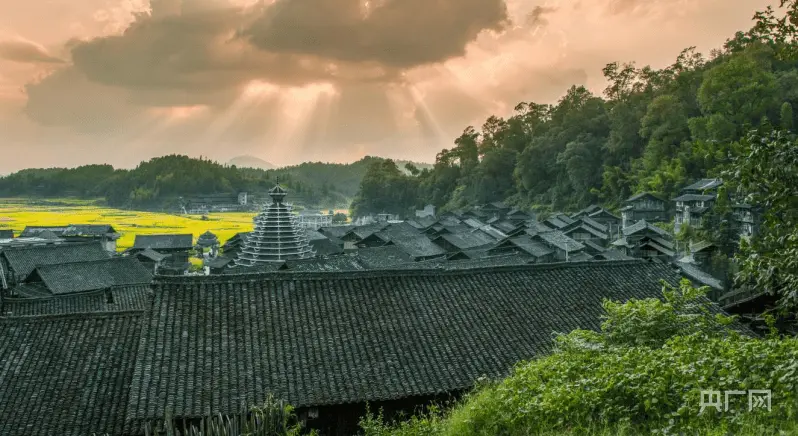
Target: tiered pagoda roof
[(276, 236)]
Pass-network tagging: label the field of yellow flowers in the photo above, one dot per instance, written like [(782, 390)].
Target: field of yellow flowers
[(17, 213)]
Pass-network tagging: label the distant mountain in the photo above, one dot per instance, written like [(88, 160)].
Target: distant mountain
[(247, 161)]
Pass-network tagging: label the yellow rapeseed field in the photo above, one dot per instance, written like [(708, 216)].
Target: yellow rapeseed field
[(16, 214)]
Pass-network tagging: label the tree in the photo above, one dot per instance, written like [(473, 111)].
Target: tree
[(786, 116), (767, 175), (339, 218)]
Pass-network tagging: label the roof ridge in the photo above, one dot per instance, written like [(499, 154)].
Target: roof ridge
[(110, 259), (51, 246), (287, 275), (76, 315)]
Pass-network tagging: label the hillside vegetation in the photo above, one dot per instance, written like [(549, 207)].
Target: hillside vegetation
[(158, 182), (652, 130)]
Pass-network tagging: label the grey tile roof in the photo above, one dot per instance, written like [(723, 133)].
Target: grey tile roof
[(695, 274), (220, 262), (644, 225), (557, 239), (151, 254), (319, 264), (604, 213), (128, 298), (535, 226), (556, 222), (24, 260), (75, 277), (6, 233), (89, 230), (164, 242), (700, 246), (612, 254), (468, 240), (66, 375), (526, 244), (658, 247), (34, 231), (694, 197), (703, 184), (586, 211), (411, 241), (505, 226), (325, 247), (382, 257), (362, 232), (474, 223), (642, 195), (329, 338), (586, 228), (593, 223), (593, 246), (336, 231)]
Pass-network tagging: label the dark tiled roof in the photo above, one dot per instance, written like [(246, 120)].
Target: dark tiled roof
[(468, 240), (363, 232), (318, 264), (526, 244), (642, 195), (605, 213), (586, 228), (164, 242), (123, 299), (593, 246), (261, 268), (88, 230), (6, 233), (34, 231), (586, 211), (89, 276), (505, 226), (695, 274), (24, 260), (329, 338), (474, 223), (644, 225), (694, 197), (235, 240), (336, 231), (151, 254), (593, 223), (612, 254), (658, 248), (556, 222), (66, 375), (703, 184), (325, 247), (558, 239), (220, 262), (411, 241), (534, 226), (580, 257), (703, 245), (382, 257)]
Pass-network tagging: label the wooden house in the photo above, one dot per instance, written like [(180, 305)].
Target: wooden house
[(16, 264), (644, 206), (177, 246)]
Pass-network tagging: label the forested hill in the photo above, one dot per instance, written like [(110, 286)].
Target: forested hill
[(651, 130), (158, 182)]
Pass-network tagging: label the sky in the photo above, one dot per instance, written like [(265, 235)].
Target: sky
[(288, 81)]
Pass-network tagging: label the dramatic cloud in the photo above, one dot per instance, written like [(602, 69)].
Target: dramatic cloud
[(26, 52), (292, 80), (391, 33)]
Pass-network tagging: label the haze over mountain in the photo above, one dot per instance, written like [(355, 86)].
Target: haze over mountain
[(248, 161), (121, 81)]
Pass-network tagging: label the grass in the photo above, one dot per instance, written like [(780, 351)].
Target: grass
[(17, 213)]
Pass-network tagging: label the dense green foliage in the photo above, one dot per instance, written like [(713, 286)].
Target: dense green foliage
[(642, 373), (159, 181), (653, 130), (767, 171)]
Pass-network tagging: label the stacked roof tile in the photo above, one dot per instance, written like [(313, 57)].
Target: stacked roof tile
[(66, 375), (22, 261), (75, 277), (361, 336)]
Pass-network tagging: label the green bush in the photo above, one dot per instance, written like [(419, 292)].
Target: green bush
[(643, 373)]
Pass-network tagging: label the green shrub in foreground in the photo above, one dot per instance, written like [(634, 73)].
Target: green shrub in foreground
[(642, 373)]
